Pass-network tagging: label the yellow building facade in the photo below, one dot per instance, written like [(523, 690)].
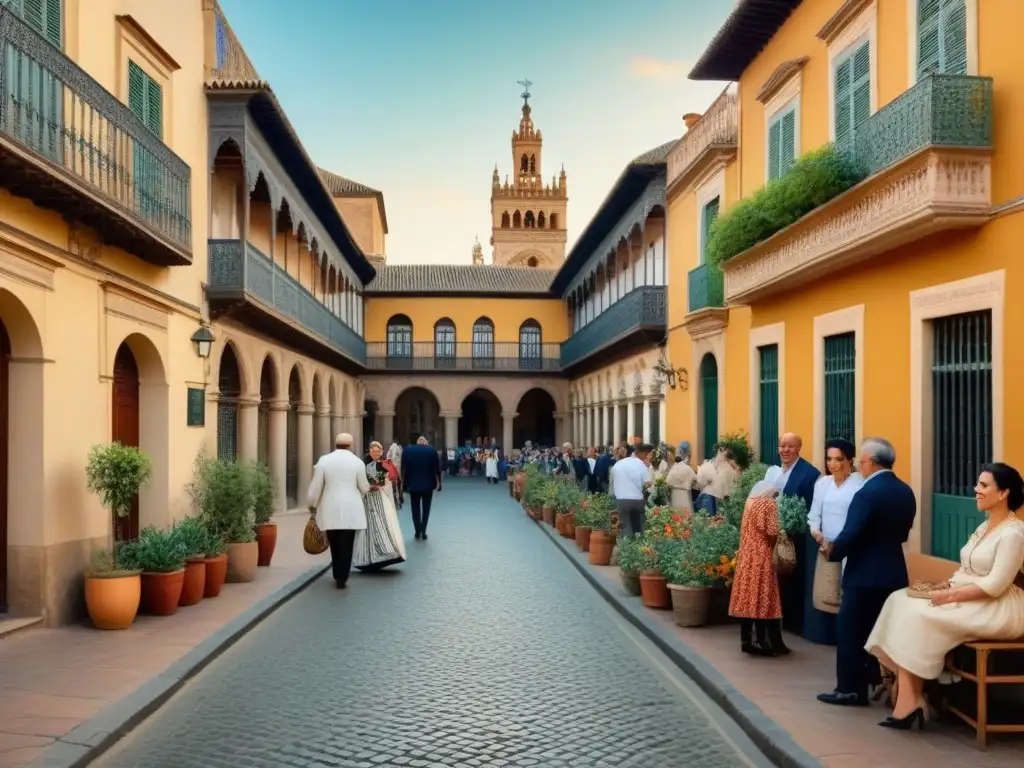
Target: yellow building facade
[(886, 309)]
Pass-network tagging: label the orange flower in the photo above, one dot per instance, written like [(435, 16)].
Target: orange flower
[(668, 530), (687, 533), (676, 518)]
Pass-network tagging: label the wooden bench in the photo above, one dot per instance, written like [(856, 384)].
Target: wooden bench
[(934, 569)]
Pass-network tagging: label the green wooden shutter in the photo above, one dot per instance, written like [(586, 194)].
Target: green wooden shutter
[(953, 22), (709, 396), (154, 107), (860, 90), (768, 429), (774, 147), (787, 142), (843, 108), (709, 215), (44, 16), (840, 391), (145, 98), (928, 38)]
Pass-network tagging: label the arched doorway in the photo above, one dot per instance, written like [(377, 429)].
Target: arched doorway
[(709, 402), (292, 460), (229, 382), (319, 435), (370, 409), (536, 420), (417, 412), (124, 426), (5, 388), (481, 417), (268, 391)]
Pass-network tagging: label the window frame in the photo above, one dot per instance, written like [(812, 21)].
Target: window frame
[(776, 118), (914, 39), (863, 28)]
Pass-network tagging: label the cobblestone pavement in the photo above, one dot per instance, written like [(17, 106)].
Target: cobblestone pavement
[(486, 649)]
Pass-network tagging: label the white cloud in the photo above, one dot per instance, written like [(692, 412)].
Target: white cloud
[(650, 68)]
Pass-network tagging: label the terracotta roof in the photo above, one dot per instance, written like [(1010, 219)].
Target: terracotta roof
[(461, 279), (743, 36), (339, 186)]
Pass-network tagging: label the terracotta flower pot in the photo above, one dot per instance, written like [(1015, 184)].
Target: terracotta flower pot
[(113, 601), (243, 559), (559, 523), (690, 604), (583, 537), (570, 527), (195, 581), (216, 572), (601, 546), (535, 512), (266, 540), (654, 591), (630, 583), (161, 592), (549, 515)]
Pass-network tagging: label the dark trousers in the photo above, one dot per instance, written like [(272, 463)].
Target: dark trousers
[(341, 542), (632, 515), (765, 632), (856, 669), (421, 509)]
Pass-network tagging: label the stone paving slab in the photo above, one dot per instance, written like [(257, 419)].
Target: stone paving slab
[(64, 691), (777, 695)]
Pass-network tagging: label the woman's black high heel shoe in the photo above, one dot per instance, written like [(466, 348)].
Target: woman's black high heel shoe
[(905, 723)]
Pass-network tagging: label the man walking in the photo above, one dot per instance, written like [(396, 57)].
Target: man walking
[(421, 476), (336, 493), (628, 482)]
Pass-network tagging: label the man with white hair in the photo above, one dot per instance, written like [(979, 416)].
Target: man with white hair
[(336, 494)]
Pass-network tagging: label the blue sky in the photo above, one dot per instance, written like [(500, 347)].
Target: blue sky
[(418, 98)]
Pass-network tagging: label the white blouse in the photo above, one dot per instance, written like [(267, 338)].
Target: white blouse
[(831, 504)]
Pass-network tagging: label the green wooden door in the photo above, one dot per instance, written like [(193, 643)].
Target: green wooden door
[(709, 402), (961, 424), (768, 429), (840, 392)]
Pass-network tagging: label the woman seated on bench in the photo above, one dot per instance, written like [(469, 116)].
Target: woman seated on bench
[(983, 602)]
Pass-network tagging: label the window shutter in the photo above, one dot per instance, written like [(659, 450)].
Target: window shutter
[(145, 98), (137, 91), (774, 145), (928, 38), (843, 111), (154, 107), (52, 21), (787, 151), (710, 214), (953, 23), (861, 85)]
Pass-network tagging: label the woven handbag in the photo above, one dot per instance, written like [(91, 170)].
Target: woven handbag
[(827, 592), (784, 555), (314, 541)]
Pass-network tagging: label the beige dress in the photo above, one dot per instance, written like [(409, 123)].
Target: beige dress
[(917, 635), (681, 479)]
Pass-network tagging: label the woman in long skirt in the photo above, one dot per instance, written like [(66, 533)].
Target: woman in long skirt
[(381, 543)]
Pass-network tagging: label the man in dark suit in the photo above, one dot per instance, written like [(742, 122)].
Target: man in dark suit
[(601, 469), (421, 476), (798, 479), (877, 525)]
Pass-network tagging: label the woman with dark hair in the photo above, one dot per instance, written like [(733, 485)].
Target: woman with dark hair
[(983, 600)]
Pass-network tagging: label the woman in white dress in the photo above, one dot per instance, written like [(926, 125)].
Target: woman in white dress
[(491, 467), (681, 479), (984, 601), (381, 543)]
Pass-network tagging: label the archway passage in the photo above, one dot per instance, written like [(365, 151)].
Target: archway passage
[(229, 382), (292, 463), (5, 362), (709, 402), (417, 412), (536, 420), (268, 391), (370, 409), (481, 417), (124, 426)]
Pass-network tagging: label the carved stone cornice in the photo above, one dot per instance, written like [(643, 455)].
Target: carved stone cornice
[(706, 322), (930, 191)]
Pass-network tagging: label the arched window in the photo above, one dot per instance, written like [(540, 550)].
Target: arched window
[(524, 164), (553, 221), (532, 261), (528, 221), (517, 220), (505, 221), (530, 357), (444, 344), (533, 164), (483, 343), (540, 220), (399, 341)]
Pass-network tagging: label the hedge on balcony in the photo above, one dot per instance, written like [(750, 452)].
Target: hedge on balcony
[(813, 180)]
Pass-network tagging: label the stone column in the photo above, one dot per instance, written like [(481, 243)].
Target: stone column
[(385, 427), (561, 425), (630, 421), (212, 442), (248, 428), (451, 430), (305, 459), (647, 421), (663, 417), (338, 425), (323, 440), (507, 422), (606, 425), (278, 452), (616, 422)]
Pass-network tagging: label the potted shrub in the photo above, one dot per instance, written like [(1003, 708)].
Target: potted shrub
[(604, 529), (263, 510), (631, 561), (568, 496), (694, 561), (587, 513), (113, 586), (192, 534), (216, 561), (161, 556), (653, 584), (222, 492), (534, 492), (550, 500)]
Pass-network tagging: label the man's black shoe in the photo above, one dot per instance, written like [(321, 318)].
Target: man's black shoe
[(843, 699)]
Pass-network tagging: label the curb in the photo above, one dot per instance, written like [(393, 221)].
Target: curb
[(85, 743), (772, 739)]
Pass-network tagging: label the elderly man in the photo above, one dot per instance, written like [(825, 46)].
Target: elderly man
[(798, 475), (421, 476), (336, 493), (877, 525)]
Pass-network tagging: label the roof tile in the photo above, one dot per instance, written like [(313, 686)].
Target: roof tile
[(460, 278)]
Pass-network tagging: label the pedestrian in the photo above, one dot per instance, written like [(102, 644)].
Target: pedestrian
[(421, 476), (628, 483), (492, 468), (336, 495)]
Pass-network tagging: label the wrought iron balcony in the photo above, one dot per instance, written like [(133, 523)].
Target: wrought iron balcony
[(245, 282), (637, 318), (706, 287), (496, 357), (68, 144)]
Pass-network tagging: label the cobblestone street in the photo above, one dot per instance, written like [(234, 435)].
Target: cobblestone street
[(486, 649)]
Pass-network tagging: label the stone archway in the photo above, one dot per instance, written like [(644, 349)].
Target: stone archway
[(535, 420), (481, 416), (230, 387), (268, 393), (418, 412), (292, 437)]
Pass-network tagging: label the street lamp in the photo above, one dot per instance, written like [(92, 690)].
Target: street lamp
[(673, 376), (202, 341)]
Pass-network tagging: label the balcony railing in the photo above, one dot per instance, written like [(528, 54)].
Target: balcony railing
[(706, 287), (639, 310), (114, 173), (240, 271), (500, 356), (717, 128)]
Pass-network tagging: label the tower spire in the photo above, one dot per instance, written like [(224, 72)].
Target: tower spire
[(526, 91)]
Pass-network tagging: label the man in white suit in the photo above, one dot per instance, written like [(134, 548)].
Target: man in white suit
[(336, 493)]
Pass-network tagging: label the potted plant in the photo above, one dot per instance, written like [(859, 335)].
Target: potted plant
[(631, 562), (534, 492), (263, 510), (192, 534), (222, 492), (113, 587), (604, 530), (694, 561), (569, 495), (550, 500), (587, 513), (216, 561), (161, 556)]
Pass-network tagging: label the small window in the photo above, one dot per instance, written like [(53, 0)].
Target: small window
[(44, 16), (146, 99), (782, 143), (852, 92), (941, 37), (708, 215)]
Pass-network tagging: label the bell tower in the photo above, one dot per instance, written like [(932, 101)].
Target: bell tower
[(528, 216)]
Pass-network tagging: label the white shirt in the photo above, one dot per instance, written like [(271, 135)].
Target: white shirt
[(784, 477), (337, 489), (629, 478), (593, 463), (831, 504)]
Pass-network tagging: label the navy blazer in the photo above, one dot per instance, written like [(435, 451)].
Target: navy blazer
[(421, 469), (801, 481), (877, 525), (601, 468)]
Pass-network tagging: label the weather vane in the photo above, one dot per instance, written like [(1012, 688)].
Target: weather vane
[(526, 90)]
